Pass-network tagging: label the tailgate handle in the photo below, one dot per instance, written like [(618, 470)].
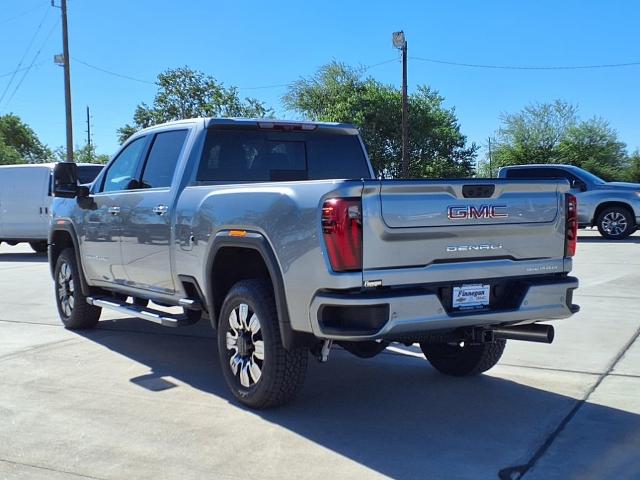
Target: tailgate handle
[(478, 191)]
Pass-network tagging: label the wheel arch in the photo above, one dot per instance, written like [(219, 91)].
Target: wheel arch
[(259, 261), (61, 237), (613, 203)]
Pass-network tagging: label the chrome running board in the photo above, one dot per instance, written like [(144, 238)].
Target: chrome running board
[(145, 313)]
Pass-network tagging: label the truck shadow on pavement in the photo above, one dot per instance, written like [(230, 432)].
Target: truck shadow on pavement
[(582, 238), (392, 414), (23, 257), (632, 239)]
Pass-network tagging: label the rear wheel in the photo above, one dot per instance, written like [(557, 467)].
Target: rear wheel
[(257, 368), (463, 359), (73, 308), (615, 223), (40, 247)]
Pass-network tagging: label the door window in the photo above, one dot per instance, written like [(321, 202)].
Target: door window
[(163, 158), (122, 172)]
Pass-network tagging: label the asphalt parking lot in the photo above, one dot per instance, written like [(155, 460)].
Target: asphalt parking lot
[(134, 400)]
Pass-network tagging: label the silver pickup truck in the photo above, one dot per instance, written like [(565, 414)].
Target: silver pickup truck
[(279, 234), (612, 207)]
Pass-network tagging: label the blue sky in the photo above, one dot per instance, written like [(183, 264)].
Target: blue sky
[(257, 43)]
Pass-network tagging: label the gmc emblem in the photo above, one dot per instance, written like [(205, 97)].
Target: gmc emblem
[(471, 212)]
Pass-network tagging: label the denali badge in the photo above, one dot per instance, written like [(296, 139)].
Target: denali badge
[(483, 211), (473, 248)]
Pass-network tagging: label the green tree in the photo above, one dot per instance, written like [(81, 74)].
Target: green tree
[(19, 143), (85, 154), (632, 171), (553, 133), (594, 146), (339, 93), (186, 93)]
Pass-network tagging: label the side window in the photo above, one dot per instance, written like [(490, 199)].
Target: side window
[(531, 173), (163, 158), (558, 173), (122, 172)]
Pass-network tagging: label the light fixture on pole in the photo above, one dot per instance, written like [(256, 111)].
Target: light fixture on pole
[(400, 42)]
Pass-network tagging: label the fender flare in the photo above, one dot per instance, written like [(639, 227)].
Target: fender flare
[(256, 241), (68, 228)]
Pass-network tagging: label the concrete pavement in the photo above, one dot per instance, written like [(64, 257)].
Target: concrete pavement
[(134, 400)]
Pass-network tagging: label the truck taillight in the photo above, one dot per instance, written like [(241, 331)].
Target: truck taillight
[(342, 231), (572, 226)]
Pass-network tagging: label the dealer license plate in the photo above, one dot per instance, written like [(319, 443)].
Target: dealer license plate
[(471, 296)]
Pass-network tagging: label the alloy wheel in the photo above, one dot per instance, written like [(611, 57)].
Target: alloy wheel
[(614, 223), (66, 289), (244, 341)]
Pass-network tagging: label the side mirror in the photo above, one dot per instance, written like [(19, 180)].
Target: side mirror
[(65, 180)]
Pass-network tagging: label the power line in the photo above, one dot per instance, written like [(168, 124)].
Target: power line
[(22, 69), (362, 69), (262, 87), (15, 17), (115, 74), (528, 67), (368, 67), (24, 55), (28, 69)]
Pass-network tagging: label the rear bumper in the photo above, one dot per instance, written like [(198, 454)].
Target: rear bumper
[(397, 314)]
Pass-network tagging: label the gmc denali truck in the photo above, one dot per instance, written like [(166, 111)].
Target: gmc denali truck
[(613, 207), (280, 235)]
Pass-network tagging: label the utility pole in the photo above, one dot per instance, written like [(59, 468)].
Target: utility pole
[(490, 166), (67, 78), (400, 42), (89, 133)]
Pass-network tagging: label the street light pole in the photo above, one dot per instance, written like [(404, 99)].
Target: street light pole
[(67, 81), (89, 152), (400, 42), (405, 115)]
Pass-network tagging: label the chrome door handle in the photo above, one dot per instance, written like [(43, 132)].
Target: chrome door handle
[(114, 210), (160, 209)]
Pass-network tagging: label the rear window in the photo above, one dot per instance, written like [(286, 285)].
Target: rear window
[(533, 173), (268, 156), (88, 173), (540, 173)]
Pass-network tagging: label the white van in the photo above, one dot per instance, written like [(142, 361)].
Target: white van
[(25, 201)]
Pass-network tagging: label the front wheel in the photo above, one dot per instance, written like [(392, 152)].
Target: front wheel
[(615, 223), (463, 359), (257, 368), (73, 308)]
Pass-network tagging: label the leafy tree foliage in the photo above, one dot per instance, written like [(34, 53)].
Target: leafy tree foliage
[(19, 143), (339, 93), (85, 154), (553, 133), (632, 172), (186, 93)]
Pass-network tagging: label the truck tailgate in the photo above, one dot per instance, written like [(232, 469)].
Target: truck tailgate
[(424, 231)]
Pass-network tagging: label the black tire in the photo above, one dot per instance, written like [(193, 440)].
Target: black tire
[(615, 223), (73, 308), (39, 247), (463, 361), (281, 372)]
